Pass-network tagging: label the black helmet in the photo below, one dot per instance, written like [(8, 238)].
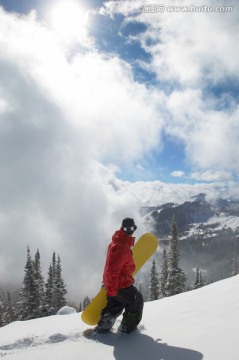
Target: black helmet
[(128, 225)]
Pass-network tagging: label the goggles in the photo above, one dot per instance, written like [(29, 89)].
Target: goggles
[(130, 228)]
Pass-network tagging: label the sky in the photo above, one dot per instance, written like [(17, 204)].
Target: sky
[(165, 331), (106, 107)]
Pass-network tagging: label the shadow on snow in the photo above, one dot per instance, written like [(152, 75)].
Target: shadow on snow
[(137, 346)]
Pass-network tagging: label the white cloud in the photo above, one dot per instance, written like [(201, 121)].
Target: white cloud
[(178, 173), (192, 47), (194, 52), (210, 136), (95, 92), (153, 193), (212, 175)]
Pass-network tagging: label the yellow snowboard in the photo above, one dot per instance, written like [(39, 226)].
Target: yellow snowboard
[(144, 248)]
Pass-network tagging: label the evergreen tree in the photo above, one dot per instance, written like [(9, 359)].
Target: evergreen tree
[(54, 265), (198, 280), (163, 275), (55, 287), (9, 314), (1, 314), (235, 259), (29, 305), (201, 282), (60, 287), (176, 278), (40, 293), (153, 283), (49, 294), (86, 302)]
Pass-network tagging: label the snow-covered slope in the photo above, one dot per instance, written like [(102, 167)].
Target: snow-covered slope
[(213, 225), (201, 324)]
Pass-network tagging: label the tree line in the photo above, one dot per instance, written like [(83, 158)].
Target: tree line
[(37, 298), (172, 279)]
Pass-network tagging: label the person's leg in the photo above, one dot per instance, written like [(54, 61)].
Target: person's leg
[(109, 314), (133, 303)]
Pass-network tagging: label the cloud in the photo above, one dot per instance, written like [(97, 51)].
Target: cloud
[(192, 48), (178, 173), (193, 55), (212, 175), (153, 193), (210, 136)]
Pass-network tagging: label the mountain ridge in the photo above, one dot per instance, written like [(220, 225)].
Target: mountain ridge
[(208, 233), (192, 215)]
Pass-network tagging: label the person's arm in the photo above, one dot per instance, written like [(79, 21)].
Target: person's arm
[(113, 270)]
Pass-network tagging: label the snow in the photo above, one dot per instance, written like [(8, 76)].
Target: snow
[(66, 310), (225, 220), (222, 221), (200, 324)]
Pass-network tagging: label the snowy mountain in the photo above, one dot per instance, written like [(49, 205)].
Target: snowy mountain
[(196, 217), (208, 232), (197, 325)]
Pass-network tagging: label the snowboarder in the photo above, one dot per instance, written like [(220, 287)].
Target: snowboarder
[(118, 282)]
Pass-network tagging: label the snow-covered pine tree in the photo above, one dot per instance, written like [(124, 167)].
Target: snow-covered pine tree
[(163, 275), (55, 287), (29, 304), (54, 265), (39, 285), (198, 280), (176, 277), (9, 314), (153, 283), (60, 287), (49, 293)]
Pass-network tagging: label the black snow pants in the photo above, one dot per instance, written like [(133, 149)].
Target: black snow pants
[(129, 300)]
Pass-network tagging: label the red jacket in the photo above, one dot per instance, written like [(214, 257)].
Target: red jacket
[(119, 264)]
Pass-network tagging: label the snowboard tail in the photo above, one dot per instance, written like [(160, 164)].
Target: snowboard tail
[(144, 248)]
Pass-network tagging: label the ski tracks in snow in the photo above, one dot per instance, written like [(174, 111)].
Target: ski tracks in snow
[(34, 341)]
